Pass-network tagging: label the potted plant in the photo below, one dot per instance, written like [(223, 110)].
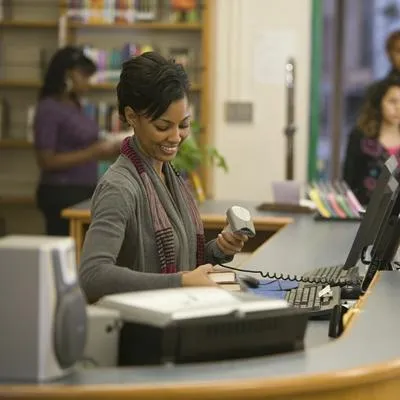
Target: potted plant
[(190, 156)]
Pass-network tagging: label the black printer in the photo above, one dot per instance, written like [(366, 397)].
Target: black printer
[(203, 324)]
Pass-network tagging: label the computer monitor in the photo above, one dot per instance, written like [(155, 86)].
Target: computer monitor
[(381, 200), (386, 242)]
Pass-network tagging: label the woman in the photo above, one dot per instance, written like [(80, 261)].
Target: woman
[(66, 140), (375, 138), (146, 231)]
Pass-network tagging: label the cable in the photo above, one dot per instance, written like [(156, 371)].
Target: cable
[(364, 256), (295, 278)]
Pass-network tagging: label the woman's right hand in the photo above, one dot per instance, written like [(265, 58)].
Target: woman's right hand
[(198, 277)]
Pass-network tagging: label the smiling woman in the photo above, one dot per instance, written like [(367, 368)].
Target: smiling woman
[(144, 217)]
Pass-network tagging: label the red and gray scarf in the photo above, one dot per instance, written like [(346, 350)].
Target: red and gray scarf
[(161, 222)]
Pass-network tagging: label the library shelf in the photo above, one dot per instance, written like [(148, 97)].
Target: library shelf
[(19, 83), (161, 26), (12, 83), (15, 144), (9, 199), (110, 86), (28, 24)]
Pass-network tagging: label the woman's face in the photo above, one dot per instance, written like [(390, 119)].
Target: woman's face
[(79, 80), (160, 139), (391, 106)]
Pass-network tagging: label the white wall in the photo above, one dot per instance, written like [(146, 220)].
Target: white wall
[(256, 152)]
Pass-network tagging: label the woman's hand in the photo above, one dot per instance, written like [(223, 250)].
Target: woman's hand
[(198, 277), (231, 243), (106, 149)]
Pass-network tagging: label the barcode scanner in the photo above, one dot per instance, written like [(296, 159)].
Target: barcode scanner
[(240, 221)]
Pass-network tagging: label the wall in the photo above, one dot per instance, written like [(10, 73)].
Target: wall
[(256, 152)]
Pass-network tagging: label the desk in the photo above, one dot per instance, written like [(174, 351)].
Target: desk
[(363, 364), (212, 213)]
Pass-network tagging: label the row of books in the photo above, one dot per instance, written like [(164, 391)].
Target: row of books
[(130, 11), (106, 116), (109, 61), (335, 200)]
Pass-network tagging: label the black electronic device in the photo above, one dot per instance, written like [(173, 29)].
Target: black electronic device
[(386, 243), (347, 275), (314, 299), (200, 324), (380, 228), (381, 201), (250, 281)]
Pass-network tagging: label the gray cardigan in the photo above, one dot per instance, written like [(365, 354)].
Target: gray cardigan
[(119, 252)]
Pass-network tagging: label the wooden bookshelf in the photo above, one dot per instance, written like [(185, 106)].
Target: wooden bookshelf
[(16, 200), (9, 83), (15, 144), (156, 26), (23, 84), (111, 86), (28, 24), (103, 34)]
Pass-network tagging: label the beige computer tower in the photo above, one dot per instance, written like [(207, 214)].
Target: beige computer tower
[(42, 309)]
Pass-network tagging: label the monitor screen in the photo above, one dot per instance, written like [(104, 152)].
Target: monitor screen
[(386, 242), (381, 200)]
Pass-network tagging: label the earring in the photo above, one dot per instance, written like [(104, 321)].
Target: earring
[(68, 85)]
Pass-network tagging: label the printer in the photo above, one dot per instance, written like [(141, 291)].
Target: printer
[(42, 309), (202, 323)]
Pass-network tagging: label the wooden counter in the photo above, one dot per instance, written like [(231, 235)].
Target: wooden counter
[(362, 364), (212, 214)]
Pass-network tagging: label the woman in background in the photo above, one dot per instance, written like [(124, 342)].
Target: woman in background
[(66, 140), (146, 231), (374, 139)]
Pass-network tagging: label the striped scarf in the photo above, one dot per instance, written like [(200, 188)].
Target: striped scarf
[(161, 223)]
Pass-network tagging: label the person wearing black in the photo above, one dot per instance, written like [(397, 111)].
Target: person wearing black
[(374, 139)]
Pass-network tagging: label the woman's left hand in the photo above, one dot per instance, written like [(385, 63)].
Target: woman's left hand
[(231, 243)]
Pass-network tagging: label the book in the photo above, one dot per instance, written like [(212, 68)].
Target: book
[(223, 277), (109, 61), (226, 280), (232, 287)]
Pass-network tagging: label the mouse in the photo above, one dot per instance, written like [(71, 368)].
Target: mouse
[(250, 281), (350, 292)]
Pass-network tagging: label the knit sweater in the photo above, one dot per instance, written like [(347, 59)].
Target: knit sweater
[(119, 252)]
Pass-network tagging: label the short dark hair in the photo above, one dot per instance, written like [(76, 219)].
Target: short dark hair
[(149, 83), (391, 40), (370, 118), (69, 57)]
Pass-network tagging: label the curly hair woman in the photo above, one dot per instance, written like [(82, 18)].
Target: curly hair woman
[(375, 138)]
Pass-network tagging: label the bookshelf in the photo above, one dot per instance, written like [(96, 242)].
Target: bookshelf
[(29, 29), (26, 84), (158, 26)]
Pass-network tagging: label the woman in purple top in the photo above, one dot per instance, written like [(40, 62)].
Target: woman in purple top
[(66, 140)]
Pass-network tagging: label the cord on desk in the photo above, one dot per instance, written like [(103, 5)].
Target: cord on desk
[(293, 278)]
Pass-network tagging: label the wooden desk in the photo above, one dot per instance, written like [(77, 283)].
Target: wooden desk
[(212, 213), (363, 364)]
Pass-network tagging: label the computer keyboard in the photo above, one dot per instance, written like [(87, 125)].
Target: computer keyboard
[(306, 297), (334, 275)]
